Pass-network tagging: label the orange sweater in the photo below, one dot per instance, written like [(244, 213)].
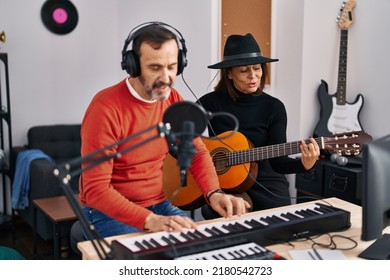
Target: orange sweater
[(122, 187)]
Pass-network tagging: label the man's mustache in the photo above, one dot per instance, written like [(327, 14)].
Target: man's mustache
[(161, 84)]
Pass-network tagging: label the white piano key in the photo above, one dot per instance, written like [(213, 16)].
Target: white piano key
[(228, 253)]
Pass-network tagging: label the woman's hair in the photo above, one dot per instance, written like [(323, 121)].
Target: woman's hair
[(227, 84)]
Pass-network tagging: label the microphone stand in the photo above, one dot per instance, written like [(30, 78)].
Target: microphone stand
[(64, 174)]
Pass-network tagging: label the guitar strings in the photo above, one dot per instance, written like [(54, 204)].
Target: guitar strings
[(269, 151)]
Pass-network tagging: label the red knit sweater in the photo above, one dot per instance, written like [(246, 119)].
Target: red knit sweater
[(122, 187)]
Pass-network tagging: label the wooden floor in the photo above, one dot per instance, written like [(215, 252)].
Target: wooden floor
[(18, 235)]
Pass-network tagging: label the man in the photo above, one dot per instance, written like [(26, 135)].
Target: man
[(125, 194)]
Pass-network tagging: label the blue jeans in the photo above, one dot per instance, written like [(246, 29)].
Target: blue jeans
[(107, 226)]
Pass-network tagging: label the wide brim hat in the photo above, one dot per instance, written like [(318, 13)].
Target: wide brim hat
[(241, 50)]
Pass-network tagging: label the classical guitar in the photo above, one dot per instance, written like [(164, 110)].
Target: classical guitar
[(336, 114), (235, 161)]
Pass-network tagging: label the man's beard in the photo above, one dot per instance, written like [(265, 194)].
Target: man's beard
[(153, 94)]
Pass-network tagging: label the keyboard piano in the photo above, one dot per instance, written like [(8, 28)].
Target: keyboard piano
[(262, 229), (246, 251)]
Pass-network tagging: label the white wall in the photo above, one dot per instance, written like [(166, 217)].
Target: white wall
[(306, 39), (53, 77)]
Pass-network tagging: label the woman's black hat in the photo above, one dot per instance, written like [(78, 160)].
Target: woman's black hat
[(241, 50)]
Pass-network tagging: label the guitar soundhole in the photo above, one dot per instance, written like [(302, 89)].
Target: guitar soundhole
[(220, 160)]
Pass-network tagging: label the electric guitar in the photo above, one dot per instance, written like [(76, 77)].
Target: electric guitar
[(336, 114), (235, 161)]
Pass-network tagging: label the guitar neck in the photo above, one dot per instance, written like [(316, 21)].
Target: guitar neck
[(261, 153), (342, 75)]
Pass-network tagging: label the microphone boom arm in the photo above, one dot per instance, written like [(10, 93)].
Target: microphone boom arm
[(64, 174)]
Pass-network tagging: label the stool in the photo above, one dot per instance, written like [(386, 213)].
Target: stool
[(59, 211)]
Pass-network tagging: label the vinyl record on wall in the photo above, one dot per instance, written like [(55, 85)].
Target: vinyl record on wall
[(59, 16)]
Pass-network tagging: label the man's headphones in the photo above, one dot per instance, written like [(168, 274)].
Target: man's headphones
[(130, 60)]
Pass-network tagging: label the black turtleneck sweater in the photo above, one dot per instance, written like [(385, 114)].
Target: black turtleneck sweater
[(263, 120)]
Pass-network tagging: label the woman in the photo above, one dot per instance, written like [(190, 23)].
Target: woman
[(262, 119)]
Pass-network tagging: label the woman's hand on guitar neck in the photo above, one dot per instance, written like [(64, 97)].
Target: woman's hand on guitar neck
[(228, 205), (310, 153)]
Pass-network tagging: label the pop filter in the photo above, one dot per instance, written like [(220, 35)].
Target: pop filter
[(183, 111)]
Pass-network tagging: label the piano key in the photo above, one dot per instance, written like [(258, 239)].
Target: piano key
[(140, 246), (147, 244), (174, 239), (212, 232), (200, 234), (155, 243), (314, 213), (302, 213), (193, 235), (167, 240), (240, 227), (267, 220), (241, 251), (290, 216)]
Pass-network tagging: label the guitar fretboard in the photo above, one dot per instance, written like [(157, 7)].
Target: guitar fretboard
[(342, 77), (261, 153)]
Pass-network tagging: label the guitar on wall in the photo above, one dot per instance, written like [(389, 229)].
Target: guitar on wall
[(336, 114), (235, 161)]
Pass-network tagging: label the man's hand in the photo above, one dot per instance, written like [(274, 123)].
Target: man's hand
[(228, 205), (154, 223)]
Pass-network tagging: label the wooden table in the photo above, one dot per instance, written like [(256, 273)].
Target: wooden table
[(282, 249), (59, 211)]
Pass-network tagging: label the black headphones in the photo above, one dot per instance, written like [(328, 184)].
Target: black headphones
[(130, 60)]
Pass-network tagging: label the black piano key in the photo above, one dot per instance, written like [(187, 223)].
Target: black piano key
[(258, 248), (326, 209), (174, 239), (233, 255), (313, 212), (222, 257), (167, 240), (308, 213), (243, 252), (239, 254), (213, 233), (255, 250), (215, 257), (322, 210), (192, 235), (267, 220), (198, 233), (291, 216), (217, 230), (240, 227), (277, 219), (236, 227), (302, 213), (186, 236), (256, 224), (154, 242), (139, 245), (229, 228), (147, 244)]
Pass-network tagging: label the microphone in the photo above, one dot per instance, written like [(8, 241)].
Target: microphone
[(187, 120), (343, 161), (182, 111), (186, 150)]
